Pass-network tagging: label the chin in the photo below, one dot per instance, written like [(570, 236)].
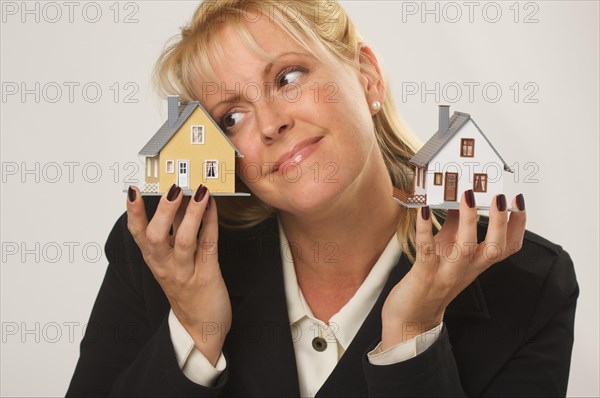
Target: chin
[(308, 197), (307, 193)]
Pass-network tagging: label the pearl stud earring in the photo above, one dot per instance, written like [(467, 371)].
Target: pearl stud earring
[(376, 105)]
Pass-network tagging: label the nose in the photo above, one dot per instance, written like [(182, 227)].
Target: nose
[(273, 120)]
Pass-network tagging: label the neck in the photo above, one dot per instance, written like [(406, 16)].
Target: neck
[(336, 249)]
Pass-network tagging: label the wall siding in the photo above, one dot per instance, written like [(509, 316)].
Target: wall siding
[(448, 159), (215, 147)]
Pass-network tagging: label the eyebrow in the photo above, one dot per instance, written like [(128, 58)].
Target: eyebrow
[(265, 73)]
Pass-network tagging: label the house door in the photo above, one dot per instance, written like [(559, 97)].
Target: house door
[(450, 187), (183, 173)]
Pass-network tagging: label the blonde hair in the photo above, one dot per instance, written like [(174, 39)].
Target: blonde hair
[(316, 25)]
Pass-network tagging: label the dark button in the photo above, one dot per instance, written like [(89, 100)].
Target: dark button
[(319, 344)]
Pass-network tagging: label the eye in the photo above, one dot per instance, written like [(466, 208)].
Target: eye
[(290, 75), (230, 119)]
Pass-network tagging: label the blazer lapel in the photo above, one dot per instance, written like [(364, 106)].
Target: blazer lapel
[(470, 303), (259, 345), (347, 378)]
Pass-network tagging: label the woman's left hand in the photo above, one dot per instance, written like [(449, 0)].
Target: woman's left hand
[(447, 263)]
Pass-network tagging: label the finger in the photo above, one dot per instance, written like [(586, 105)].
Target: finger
[(137, 220), (448, 231), (186, 236), (515, 230), (426, 247), (209, 235), (466, 237), (491, 250), (180, 213), (158, 229)]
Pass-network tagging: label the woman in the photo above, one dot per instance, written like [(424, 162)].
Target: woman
[(332, 289)]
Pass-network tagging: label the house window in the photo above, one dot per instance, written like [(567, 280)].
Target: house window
[(170, 166), (424, 175), (155, 168), (466, 147), (437, 178), (211, 169), (198, 134), (418, 176), (480, 182), (148, 168)]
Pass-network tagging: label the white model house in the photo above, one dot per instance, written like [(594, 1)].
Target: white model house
[(456, 158)]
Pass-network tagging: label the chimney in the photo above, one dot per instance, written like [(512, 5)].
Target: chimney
[(173, 110), (444, 113)]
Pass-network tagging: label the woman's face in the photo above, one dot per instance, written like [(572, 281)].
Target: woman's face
[(303, 126)]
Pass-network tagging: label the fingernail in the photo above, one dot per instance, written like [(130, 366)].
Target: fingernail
[(131, 194), (520, 202), (501, 202), (200, 192), (470, 198), (425, 213), (173, 193)]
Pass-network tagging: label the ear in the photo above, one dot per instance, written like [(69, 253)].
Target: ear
[(371, 75)]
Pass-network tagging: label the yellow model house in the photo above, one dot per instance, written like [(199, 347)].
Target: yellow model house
[(188, 150)]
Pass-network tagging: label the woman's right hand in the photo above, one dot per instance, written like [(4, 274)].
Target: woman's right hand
[(186, 264)]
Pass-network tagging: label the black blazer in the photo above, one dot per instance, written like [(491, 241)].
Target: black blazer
[(508, 333)]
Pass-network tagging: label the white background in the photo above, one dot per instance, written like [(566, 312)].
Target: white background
[(549, 134)]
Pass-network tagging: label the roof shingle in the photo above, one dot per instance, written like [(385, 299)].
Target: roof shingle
[(165, 133), (437, 141)]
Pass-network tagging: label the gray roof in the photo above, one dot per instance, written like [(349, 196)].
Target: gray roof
[(165, 133), (437, 141)]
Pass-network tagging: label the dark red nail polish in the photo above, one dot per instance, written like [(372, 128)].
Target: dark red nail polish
[(470, 198), (425, 213), (501, 202), (200, 192), (173, 193), (520, 202), (131, 194)]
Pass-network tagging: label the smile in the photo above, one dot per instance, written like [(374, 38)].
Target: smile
[(297, 153)]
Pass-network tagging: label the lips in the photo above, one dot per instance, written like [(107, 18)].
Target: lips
[(297, 153)]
